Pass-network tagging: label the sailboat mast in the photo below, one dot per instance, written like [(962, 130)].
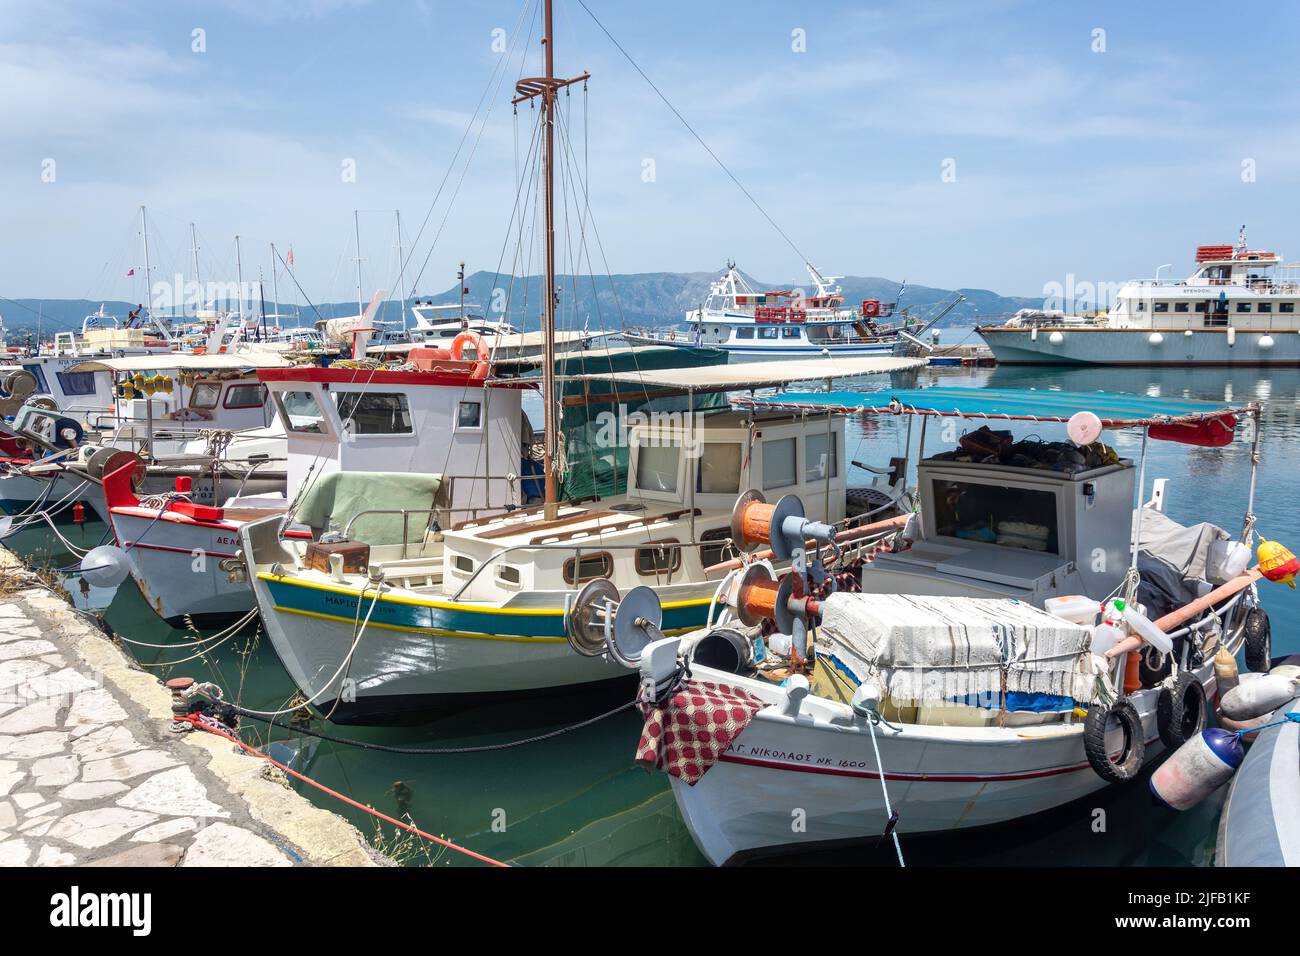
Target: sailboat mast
[(239, 281), (275, 287), (401, 270), (356, 222), (548, 329), (144, 237), (546, 87), (194, 252)]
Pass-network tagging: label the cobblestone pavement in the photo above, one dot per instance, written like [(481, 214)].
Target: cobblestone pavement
[(88, 776)]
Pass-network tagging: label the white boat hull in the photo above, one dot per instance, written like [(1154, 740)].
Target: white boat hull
[(789, 784), (1133, 347)]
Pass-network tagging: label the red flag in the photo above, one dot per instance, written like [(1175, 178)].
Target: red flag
[(288, 260), (130, 273)]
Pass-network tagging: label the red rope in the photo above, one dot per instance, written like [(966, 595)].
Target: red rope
[(193, 720)]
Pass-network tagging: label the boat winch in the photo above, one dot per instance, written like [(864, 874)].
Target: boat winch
[(601, 623)]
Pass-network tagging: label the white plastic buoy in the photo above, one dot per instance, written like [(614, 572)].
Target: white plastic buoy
[(105, 567), (1197, 768), (1148, 631), (1187, 333), (1155, 338), (1266, 341), (1056, 338), (1251, 727), (1232, 336), (1033, 334), (1262, 696), (1084, 428)]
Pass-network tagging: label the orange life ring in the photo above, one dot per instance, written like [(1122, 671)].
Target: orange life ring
[(871, 307), (480, 352)]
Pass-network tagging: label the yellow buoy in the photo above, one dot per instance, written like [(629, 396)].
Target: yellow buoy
[(1277, 563)]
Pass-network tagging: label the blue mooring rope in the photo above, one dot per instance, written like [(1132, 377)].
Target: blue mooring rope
[(1290, 718)]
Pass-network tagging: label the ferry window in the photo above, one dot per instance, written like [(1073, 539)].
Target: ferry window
[(1202, 306), (658, 558), (374, 413), (779, 463), (767, 333), (469, 415), (246, 396), (1009, 517), (1266, 307), (719, 471), (205, 394), (1243, 306), (1162, 307), (301, 412), (744, 333), (77, 383), (817, 462), (592, 566), (1286, 306), (1180, 306), (790, 333), (711, 554), (656, 468)]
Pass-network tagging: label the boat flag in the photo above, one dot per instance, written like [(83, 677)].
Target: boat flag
[(288, 259)]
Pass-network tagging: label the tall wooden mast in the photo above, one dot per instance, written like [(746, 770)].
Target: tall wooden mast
[(546, 87)]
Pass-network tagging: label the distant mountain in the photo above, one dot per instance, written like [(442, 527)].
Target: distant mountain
[(641, 299)]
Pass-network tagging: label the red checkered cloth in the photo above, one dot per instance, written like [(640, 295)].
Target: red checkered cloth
[(687, 734)]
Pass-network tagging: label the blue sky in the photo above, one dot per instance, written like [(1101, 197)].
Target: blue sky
[(1066, 160)]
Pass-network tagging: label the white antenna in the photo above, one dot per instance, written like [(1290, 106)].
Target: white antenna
[(239, 280)]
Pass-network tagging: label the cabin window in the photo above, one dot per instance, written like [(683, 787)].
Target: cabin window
[(779, 463), (711, 554), (790, 332), (1286, 306), (245, 396), (1202, 306), (469, 415), (1266, 307), (301, 412), (374, 413), (821, 456), (744, 333), (588, 568), (1009, 517), (1180, 306), (767, 333), (507, 574), (76, 383), (659, 558), (656, 468), (38, 373), (719, 471), (1243, 306), (205, 395), (1142, 306), (463, 563), (1161, 307)]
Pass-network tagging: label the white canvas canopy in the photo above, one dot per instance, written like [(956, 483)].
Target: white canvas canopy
[(185, 362)]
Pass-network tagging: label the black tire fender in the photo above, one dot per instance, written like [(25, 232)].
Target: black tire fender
[(1259, 640), (1094, 741), (1180, 710)]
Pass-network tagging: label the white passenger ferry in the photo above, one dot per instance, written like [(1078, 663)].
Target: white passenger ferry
[(1238, 308), (781, 323)]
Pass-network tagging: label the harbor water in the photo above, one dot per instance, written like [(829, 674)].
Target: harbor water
[(578, 799)]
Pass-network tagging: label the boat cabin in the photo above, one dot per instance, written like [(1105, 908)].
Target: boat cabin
[(442, 423), (684, 475)]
